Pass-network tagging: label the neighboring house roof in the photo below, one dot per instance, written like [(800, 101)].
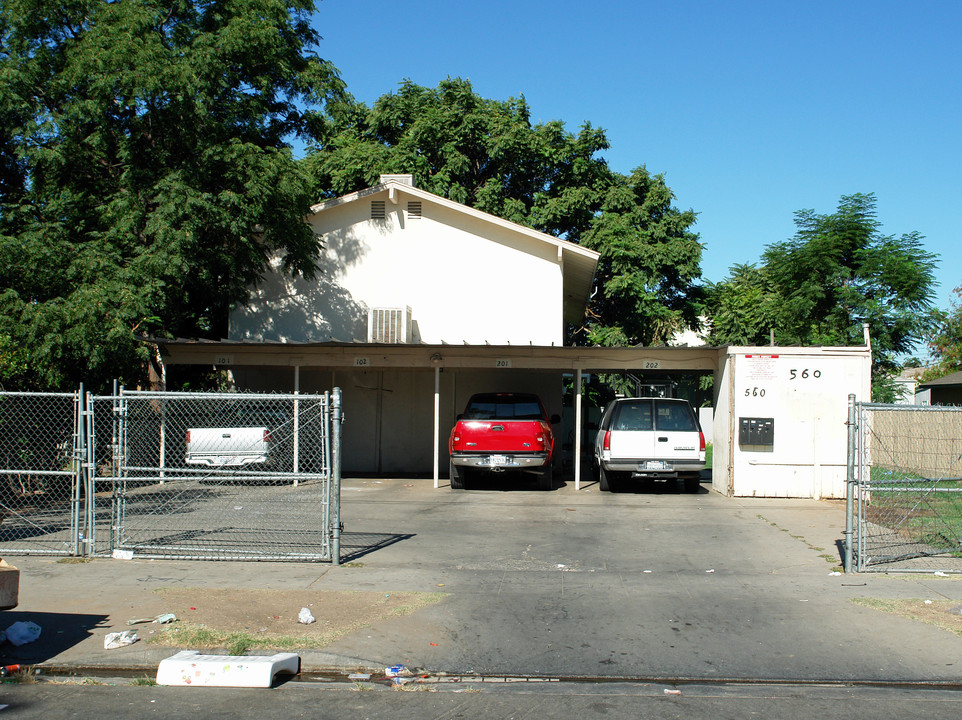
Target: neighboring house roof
[(578, 263), (946, 381)]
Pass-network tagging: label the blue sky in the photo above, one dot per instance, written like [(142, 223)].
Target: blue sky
[(752, 110)]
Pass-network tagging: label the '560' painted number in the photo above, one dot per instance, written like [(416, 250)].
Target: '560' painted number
[(804, 374)]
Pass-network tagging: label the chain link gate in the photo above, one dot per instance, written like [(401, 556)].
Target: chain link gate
[(906, 477), (93, 475), (41, 473)]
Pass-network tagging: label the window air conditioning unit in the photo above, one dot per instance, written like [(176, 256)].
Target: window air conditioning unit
[(389, 325)]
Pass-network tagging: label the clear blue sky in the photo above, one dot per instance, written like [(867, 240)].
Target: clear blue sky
[(752, 110)]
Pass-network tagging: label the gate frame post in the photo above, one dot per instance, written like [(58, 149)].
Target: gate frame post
[(850, 490), (334, 500)]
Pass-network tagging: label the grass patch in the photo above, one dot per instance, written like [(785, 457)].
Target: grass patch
[(239, 620), (73, 561), (940, 613), (144, 681)]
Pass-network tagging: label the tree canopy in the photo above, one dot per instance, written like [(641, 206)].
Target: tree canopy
[(146, 177), (945, 345), (489, 155), (837, 273)]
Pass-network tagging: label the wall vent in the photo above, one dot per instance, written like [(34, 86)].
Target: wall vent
[(414, 209), (377, 209), (389, 325)]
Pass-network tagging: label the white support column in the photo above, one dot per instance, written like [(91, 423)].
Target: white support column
[(437, 425), (577, 449)]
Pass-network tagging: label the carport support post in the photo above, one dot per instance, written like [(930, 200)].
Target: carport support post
[(577, 448), (437, 425), (850, 483)]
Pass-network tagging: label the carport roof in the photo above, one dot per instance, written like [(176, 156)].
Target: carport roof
[(228, 353)]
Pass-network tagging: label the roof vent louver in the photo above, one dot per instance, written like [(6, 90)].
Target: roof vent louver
[(389, 325), (377, 209), (414, 209)]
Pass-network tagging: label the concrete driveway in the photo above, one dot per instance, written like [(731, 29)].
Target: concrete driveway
[(649, 584), (654, 585)]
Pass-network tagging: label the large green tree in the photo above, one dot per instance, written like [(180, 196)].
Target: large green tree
[(945, 345), (837, 273), (145, 173), (489, 155)]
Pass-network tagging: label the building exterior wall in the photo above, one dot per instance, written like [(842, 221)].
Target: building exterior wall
[(466, 280), (804, 393), (389, 412)]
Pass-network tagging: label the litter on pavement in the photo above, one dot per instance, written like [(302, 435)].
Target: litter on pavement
[(23, 632), (163, 619), (116, 640)]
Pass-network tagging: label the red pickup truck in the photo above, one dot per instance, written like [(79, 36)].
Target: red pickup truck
[(499, 432)]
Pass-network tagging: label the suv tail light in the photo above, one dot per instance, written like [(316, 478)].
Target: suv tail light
[(701, 441), (188, 437), (606, 443)]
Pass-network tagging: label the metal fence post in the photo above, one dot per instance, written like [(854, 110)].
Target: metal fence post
[(335, 498), (850, 483)]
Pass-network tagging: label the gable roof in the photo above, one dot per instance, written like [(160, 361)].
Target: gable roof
[(578, 263)]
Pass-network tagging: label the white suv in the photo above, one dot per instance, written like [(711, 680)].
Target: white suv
[(649, 438)]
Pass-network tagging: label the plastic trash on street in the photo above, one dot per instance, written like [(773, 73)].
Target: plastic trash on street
[(116, 640), (21, 633), (305, 617)]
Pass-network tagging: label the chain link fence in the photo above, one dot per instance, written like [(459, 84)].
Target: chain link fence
[(40, 471), (179, 475), (907, 480)]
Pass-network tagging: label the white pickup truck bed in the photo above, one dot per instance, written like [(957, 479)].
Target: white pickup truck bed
[(228, 446)]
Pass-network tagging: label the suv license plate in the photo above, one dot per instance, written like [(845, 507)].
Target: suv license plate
[(654, 465)]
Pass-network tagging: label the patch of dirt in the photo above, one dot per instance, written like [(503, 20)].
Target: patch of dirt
[(945, 614), (266, 614)]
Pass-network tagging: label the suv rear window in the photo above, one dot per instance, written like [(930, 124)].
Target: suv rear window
[(504, 407), (637, 415)]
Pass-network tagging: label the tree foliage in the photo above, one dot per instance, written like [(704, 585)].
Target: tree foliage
[(945, 346), (489, 155), (837, 273), (145, 176)]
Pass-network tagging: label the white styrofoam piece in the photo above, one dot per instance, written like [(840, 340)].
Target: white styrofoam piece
[(189, 667)]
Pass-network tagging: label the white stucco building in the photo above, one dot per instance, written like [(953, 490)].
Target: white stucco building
[(402, 264), (421, 302)]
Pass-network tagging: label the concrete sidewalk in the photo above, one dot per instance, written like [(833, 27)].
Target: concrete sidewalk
[(630, 585)]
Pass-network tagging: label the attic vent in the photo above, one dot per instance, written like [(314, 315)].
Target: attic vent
[(377, 209), (389, 325), (414, 209)]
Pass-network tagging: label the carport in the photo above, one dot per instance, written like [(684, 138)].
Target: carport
[(790, 393)]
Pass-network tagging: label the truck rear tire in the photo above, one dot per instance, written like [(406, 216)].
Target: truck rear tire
[(457, 477)]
